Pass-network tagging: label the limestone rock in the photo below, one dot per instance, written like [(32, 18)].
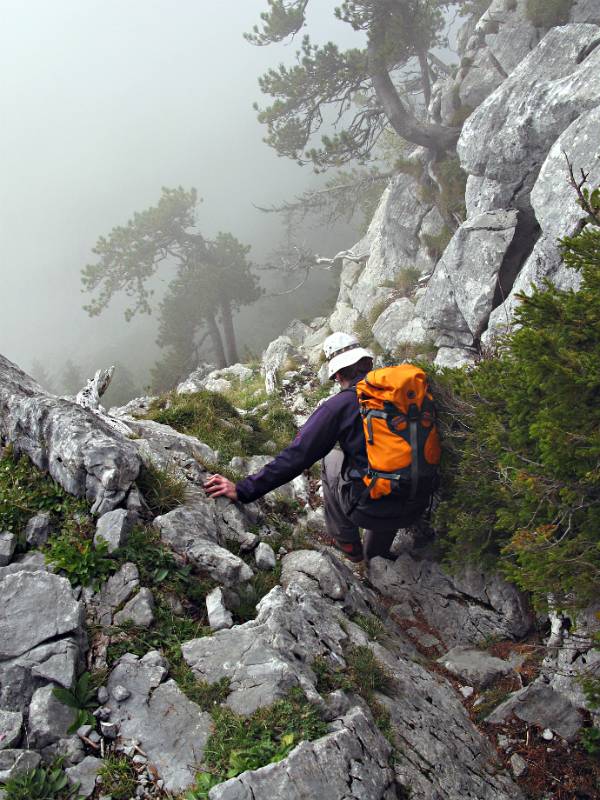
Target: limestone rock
[(49, 719), (218, 615), (37, 529), (315, 571), (585, 11), (77, 447), (116, 591), (169, 728), (16, 762), (555, 205), (11, 723), (460, 294), (555, 83), (113, 528), (85, 774), (35, 607), (474, 666), (194, 381), (539, 704), (139, 610), (348, 763), (398, 325), (29, 562), (8, 543), (265, 556), (465, 609)]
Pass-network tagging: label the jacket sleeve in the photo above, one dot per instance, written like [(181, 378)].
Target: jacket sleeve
[(314, 440)]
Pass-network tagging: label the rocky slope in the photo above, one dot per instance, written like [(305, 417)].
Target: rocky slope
[(527, 97), (421, 632)]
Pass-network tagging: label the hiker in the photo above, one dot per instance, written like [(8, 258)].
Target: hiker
[(351, 500)]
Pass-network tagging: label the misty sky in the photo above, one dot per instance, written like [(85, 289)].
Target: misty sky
[(104, 102)]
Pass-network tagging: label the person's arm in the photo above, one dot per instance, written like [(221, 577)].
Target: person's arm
[(314, 440)]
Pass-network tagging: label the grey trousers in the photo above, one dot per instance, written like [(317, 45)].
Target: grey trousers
[(377, 540)]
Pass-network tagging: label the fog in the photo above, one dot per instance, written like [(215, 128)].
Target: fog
[(104, 102)]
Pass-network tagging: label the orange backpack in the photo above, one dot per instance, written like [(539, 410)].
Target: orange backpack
[(399, 418)]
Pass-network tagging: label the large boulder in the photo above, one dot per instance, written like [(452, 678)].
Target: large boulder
[(76, 446), (465, 609), (457, 303), (170, 729)]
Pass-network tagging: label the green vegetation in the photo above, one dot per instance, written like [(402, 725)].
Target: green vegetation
[(405, 282), (521, 481), (42, 783), (212, 418), (75, 554), (436, 243), (371, 625), (364, 676), (266, 736), (81, 698), (162, 489), (118, 777), (26, 491), (547, 13)]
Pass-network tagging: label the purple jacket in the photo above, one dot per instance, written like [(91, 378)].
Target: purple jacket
[(336, 420)]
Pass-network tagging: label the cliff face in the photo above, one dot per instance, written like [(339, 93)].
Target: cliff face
[(529, 95)]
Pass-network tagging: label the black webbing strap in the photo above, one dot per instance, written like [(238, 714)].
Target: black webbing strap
[(414, 464)]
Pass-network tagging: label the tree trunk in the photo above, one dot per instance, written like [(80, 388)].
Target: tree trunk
[(435, 137), (229, 332), (425, 76), (217, 341)]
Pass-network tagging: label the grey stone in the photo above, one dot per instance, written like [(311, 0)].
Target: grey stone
[(29, 562), (466, 608), (539, 704), (475, 666), (116, 591), (556, 209), (102, 695), (452, 357), (193, 382), (170, 729), (313, 570), (460, 294), (76, 446), (348, 763), (16, 762), (109, 730), (218, 615), (279, 352), (84, 774), (519, 122), (35, 607), (265, 556), (139, 610), (120, 693), (56, 663), (586, 11), (11, 723), (70, 749), (49, 719), (113, 528), (518, 765), (38, 529), (8, 543), (399, 324), (214, 380)]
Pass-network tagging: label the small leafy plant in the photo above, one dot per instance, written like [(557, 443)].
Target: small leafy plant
[(118, 777), (81, 697), (84, 563), (42, 783)]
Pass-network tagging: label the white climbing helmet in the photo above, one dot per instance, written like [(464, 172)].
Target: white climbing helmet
[(341, 350)]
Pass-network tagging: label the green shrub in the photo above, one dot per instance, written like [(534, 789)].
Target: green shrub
[(42, 783), (162, 489), (546, 13), (521, 474)]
